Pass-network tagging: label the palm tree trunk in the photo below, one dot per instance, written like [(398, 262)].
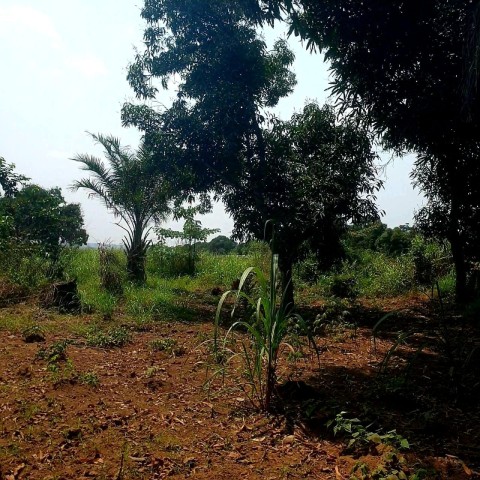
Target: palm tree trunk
[(136, 258)]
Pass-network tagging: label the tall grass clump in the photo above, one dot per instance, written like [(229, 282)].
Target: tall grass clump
[(370, 274), (111, 269), (25, 265), (84, 266)]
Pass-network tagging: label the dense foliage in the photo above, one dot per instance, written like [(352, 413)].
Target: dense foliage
[(35, 224), (9, 180), (35, 217), (310, 175), (225, 77), (380, 238), (319, 175)]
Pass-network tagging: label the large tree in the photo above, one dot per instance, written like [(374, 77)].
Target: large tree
[(225, 78), (132, 188), (319, 176)]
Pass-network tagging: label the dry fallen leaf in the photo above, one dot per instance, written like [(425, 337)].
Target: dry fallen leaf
[(137, 459), (467, 470), (18, 469), (338, 475)]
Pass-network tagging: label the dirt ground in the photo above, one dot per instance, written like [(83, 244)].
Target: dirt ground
[(134, 412)]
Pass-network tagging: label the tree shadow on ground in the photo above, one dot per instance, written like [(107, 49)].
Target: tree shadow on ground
[(422, 408)]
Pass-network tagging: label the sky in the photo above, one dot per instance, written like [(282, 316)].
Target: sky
[(64, 65)]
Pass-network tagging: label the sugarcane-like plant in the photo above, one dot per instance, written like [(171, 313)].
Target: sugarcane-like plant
[(266, 330)]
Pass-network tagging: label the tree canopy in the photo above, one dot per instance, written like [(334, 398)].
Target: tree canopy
[(225, 78), (319, 176), (409, 70), (41, 218), (310, 175), (9, 180)]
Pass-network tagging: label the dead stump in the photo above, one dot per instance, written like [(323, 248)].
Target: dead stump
[(64, 296)]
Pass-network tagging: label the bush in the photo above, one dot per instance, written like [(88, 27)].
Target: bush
[(307, 270), (432, 261), (344, 286)]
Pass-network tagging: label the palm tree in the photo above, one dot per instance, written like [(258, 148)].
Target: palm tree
[(133, 190)]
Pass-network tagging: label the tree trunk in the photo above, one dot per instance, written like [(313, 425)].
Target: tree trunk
[(454, 233), (458, 254), (286, 268), (136, 258), (136, 266)]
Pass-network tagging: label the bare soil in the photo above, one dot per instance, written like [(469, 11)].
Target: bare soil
[(176, 414)]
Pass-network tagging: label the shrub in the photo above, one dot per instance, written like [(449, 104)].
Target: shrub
[(344, 286), (431, 261)]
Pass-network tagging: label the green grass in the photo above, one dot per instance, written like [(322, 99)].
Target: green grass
[(162, 298), (375, 274), (372, 274), (83, 265), (222, 270)]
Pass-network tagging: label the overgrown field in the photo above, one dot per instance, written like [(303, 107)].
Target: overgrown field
[(132, 384)]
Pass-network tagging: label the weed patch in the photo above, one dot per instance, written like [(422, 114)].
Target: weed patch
[(112, 338), (168, 345)]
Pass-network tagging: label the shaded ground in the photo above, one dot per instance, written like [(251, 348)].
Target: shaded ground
[(135, 412)]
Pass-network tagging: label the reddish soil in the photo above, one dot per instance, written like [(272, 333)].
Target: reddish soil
[(158, 415)]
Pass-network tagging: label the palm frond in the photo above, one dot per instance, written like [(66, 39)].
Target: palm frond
[(92, 164)]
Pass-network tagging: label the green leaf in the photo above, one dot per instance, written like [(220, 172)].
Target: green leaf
[(404, 443)]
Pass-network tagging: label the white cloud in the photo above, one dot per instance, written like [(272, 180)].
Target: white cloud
[(89, 66), (20, 17)]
